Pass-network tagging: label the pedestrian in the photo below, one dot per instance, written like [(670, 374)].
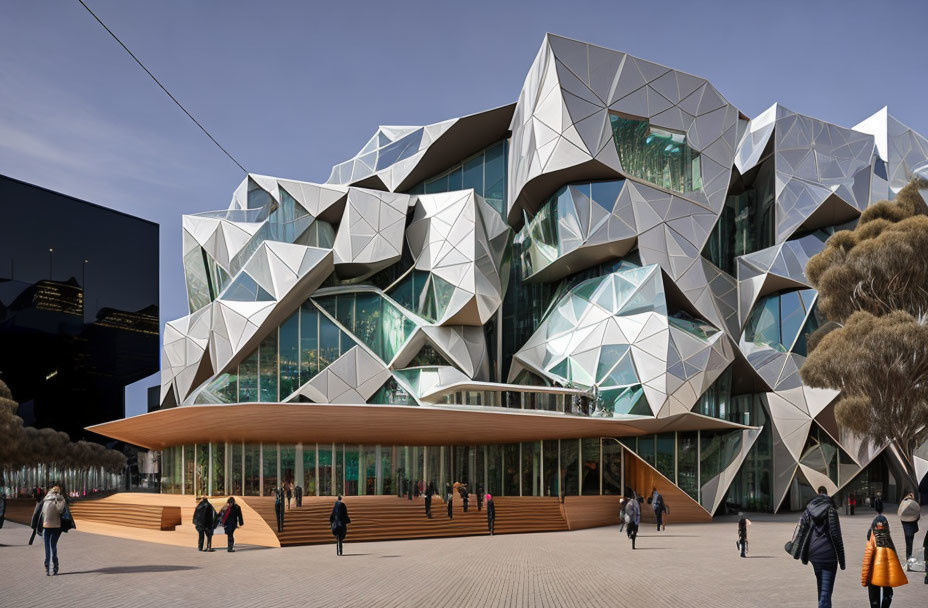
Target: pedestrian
[(428, 502), (204, 520), (622, 503), (660, 507), (479, 496), (50, 518), (289, 488), (881, 571), (925, 556), (491, 514), (465, 496), (633, 518), (339, 521), (820, 542), (279, 508), (878, 503), (743, 534), (909, 513), (450, 505), (231, 518), (2, 509), (298, 495)]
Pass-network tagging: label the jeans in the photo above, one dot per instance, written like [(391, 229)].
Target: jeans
[(909, 528), (51, 536), (825, 582), (874, 593)]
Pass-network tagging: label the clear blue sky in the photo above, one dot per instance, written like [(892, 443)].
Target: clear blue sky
[(293, 87)]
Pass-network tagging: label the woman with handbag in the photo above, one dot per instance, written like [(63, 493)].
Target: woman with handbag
[(231, 518), (881, 571), (817, 539)]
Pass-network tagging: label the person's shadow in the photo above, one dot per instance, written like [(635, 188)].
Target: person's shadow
[(135, 569)]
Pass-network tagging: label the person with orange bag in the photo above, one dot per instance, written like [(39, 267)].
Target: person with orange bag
[(881, 570)]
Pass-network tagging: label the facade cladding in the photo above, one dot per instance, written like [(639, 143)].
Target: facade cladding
[(621, 244), (78, 306)]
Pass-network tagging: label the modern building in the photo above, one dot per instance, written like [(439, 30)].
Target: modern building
[(78, 307), (599, 287)]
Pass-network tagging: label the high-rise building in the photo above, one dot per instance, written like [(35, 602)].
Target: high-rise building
[(599, 288), (78, 306)]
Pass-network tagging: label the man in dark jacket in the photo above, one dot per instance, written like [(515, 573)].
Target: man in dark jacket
[(279, 508), (339, 521), (491, 514), (204, 519), (742, 534), (428, 502), (298, 495), (822, 544)]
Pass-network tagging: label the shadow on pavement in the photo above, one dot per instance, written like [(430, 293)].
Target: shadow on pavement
[(134, 569)]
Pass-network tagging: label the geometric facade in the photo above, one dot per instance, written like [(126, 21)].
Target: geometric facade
[(622, 245)]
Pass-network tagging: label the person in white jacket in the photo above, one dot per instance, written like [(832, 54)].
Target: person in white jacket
[(47, 515), (909, 513)]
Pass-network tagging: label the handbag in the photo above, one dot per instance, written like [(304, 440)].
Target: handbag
[(628, 518), (791, 544)]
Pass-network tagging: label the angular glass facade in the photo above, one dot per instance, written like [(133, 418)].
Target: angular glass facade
[(485, 172), (659, 156)]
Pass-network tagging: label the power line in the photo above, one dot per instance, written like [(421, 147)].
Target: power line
[(168, 93)]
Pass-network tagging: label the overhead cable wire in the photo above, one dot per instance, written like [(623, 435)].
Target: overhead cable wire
[(158, 82)]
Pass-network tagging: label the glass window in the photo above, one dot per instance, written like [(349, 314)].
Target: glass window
[(590, 466), (687, 467), (531, 468), (325, 469), (309, 342), (218, 477), (550, 468), (665, 455), (189, 469), (248, 379), (718, 450), (494, 469), (352, 470), (270, 468), (612, 466), (340, 469), (309, 469), (646, 449), (268, 368), (369, 470), (290, 355), (656, 155), (511, 469), (495, 177), (237, 454), (288, 463), (252, 469), (328, 342), (473, 174), (570, 474)]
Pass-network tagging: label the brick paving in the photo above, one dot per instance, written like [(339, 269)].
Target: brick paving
[(688, 565)]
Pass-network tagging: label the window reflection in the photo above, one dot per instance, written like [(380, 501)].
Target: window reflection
[(659, 156)]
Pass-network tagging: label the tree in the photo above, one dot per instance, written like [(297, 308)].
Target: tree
[(873, 289)]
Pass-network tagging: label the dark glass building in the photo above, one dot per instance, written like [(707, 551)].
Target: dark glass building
[(78, 306)]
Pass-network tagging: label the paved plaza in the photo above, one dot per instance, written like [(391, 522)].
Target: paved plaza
[(688, 565)]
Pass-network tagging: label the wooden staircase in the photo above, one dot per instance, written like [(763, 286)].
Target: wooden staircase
[(376, 518), (152, 517)]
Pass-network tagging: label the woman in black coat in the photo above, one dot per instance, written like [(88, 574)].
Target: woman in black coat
[(231, 518), (491, 514), (339, 521)]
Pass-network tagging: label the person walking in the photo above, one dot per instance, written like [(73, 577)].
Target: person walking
[(289, 489), (909, 513), (428, 502), (878, 503), (659, 507), (743, 534), (50, 519), (881, 571), (821, 543), (298, 495), (279, 494), (339, 521), (633, 518), (231, 518), (450, 505), (491, 514), (204, 520), (465, 497)]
